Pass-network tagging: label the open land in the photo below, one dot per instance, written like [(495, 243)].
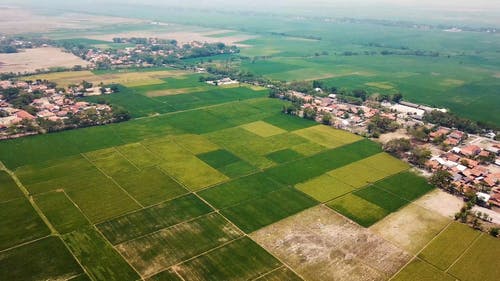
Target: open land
[(215, 184), (30, 60)]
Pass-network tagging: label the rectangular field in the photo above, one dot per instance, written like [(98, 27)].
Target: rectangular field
[(263, 129), (99, 259), (420, 270), (324, 188), (60, 211), (406, 185), (154, 218), (241, 260), (158, 251), (8, 188), (46, 259), (327, 136), (256, 213), (150, 186), (358, 209), (19, 223), (138, 155)]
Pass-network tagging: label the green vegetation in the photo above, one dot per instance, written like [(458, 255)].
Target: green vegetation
[(167, 275), (219, 158), (154, 218), (159, 250), (358, 209), (60, 211), (19, 223), (478, 262), (449, 245), (381, 198), (8, 188), (420, 270), (99, 259), (256, 213), (46, 259), (242, 259), (324, 188), (283, 156), (280, 274), (406, 185)]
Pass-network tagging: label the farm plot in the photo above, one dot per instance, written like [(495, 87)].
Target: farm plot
[(8, 188), (357, 174), (239, 190), (227, 163), (358, 209), (154, 218), (413, 236), (99, 259), (256, 213), (327, 136), (284, 155), (480, 261), (167, 275), (102, 200), (289, 122), (155, 252), (111, 161), (406, 185), (447, 247), (185, 167), (324, 188), (195, 144), (150, 186), (138, 155), (386, 163), (263, 129), (280, 274), (60, 211), (46, 259), (321, 245), (310, 167), (19, 223), (241, 260), (420, 270)]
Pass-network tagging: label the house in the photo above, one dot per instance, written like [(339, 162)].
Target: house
[(470, 150), (24, 115), (452, 141), (439, 133)]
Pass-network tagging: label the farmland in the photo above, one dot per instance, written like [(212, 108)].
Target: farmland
[(215, 184)]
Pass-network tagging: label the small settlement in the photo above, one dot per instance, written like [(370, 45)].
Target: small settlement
[(28, 108)]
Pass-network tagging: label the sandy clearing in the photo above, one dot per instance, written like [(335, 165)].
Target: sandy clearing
[(411, 228), (321, 245), (399, 134), (441, 202), (181, 36), (39, 58), (15, 20)]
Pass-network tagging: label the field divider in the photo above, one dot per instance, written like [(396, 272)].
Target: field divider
[(464, 252), (269, 272), (415, 256), (28, 196), (26, 243), (113, 180), (125, 157)]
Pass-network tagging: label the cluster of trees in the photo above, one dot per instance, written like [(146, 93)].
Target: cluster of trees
[(21, 99), (403, 148), (7, 49), (379, 125), (418, 53), (450, 120)]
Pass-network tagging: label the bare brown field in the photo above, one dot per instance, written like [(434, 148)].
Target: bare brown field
[(411, 228), (319, 244), (441, 202), (40, 58), (15, 20), (181, 36)]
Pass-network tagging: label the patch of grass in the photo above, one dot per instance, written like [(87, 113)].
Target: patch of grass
[(8, 188), (256, 213), (263, 129), (239, 190), (219, 158), (386, 163), (420, 270), (157, 251), (167, 275), (241, 260), (60, 211), (327, 136), (111, 162), (19, 223), (324, 188), (46, 259), (279, 275), (358, 209), (381, 198), (150, 186), (406, 185), (480, 262), (238, 169), (285, 155), (154, 218), (289, 122), (318, 164), (138, 155), (357, 174), (103, 201), (99, 259), (195, 144), (449, 245)]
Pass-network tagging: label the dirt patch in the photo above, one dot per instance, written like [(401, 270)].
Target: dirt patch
[(496, 75), (321, 245), (39, 58), (172, 92), (399, 134), (411, 228), (441, 202)]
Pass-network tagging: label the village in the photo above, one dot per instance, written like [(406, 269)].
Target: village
[(28, 108), (472, 162)]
